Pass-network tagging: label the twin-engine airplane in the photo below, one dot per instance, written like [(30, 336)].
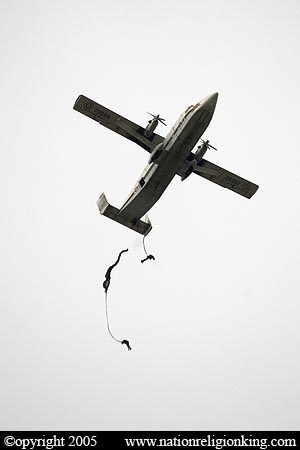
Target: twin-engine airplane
[(168, 156)]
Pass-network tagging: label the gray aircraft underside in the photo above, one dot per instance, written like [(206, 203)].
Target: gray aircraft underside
[(169, 156)]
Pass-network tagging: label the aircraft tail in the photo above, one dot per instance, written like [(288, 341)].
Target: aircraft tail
[(140, 226)]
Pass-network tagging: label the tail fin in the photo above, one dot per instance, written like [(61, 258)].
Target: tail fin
[(141, 226)]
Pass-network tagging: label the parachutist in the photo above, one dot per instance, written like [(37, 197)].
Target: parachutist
[(126, 343), (106, 282), (148, 257)]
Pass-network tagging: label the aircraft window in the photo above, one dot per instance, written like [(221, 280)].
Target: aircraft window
[(142, 182), (189, 107)]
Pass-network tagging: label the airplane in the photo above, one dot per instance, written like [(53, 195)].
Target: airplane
[(169, 156)]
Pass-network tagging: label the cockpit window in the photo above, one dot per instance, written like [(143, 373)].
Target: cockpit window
[(189, 107)]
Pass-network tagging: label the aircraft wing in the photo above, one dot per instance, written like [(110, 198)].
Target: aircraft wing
[(117, 123), (222, 177)]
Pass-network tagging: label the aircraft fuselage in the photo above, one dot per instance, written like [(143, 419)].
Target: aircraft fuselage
[(174, 151)]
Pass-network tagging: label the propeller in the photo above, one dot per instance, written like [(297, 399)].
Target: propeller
[(208, 145), (156, 117)]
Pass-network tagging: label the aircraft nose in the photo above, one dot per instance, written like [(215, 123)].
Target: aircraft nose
[(210, 101)]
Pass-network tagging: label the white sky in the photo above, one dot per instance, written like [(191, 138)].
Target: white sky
[(214, 321)]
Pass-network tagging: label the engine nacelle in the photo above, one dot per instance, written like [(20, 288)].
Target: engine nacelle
[(201, 152), (195, 158), (152, 124), (158, 154)]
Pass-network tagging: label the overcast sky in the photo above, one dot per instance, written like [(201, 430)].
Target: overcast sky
[(214, 320)]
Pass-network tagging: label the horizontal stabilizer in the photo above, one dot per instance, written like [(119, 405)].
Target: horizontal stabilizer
[(138, 225)]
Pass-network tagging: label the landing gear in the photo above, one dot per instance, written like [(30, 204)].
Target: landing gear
[(189, 170)]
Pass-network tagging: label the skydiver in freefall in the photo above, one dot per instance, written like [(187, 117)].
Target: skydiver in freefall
[(106, 282)]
